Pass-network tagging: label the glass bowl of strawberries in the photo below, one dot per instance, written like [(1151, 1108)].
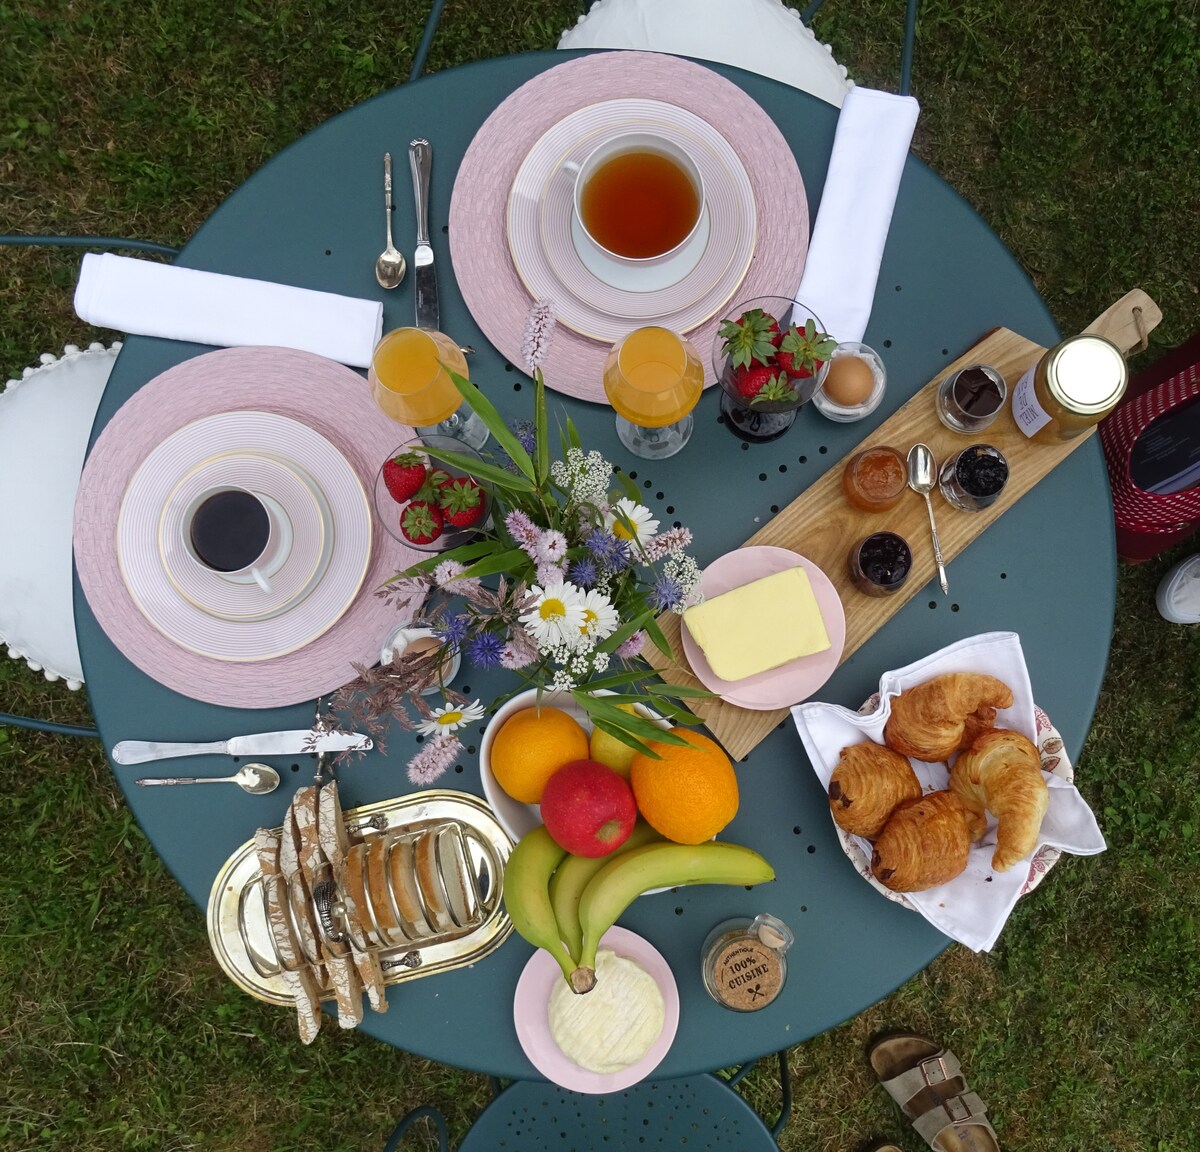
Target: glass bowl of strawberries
[(771, 355), (427, 503)]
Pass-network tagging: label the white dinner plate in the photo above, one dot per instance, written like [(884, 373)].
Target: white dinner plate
[(546, 257), (251, 435)]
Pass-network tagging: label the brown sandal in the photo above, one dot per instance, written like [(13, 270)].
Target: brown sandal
[(927, 1082)]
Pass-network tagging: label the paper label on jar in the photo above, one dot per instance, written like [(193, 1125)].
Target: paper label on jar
[(1028, 413)]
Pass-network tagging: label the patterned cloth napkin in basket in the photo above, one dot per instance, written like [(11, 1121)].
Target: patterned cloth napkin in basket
[(973, 907)]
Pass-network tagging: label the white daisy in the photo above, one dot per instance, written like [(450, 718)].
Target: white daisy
[(451, 718), (556, 615), (638, 515), (600, 618)]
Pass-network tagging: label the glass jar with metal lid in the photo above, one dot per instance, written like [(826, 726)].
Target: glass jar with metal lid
[(1070, 388)]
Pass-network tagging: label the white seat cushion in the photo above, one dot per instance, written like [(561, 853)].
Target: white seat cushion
[(45, 421), (760, 36)]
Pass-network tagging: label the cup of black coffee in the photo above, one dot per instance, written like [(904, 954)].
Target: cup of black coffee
[(235, 533)]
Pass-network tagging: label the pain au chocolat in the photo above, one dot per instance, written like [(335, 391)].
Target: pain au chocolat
[(868, 784), (938, 717), (924, 843)]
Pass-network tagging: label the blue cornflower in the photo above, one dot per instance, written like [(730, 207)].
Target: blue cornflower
[(622, 555), (666, 594), (525, 434), (583, 572), (605, 548), (454, 630), (485, 650)]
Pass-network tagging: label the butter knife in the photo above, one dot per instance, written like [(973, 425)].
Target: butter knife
[(261, 744), (420, 159)]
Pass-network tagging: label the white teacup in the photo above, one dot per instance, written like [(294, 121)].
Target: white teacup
[(633, 144), (237, 531)]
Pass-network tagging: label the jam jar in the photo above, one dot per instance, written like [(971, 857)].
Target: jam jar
[(875, 479), (1070, 388)]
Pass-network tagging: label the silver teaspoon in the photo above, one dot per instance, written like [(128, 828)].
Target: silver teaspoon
[(920, 479), (257, 779), (390, 265)]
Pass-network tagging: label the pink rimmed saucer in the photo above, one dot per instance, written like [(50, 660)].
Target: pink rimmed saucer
[(329, 398), (531, 1016), (199, 609), (603, 298), (790, 683), (483, 266)]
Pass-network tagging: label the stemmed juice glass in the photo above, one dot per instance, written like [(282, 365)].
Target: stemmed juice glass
[(653, 378), (410, 381)]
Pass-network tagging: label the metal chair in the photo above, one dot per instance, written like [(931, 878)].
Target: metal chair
[(702, 1112)]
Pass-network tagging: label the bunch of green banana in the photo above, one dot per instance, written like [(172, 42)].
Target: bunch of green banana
[(554, 899)]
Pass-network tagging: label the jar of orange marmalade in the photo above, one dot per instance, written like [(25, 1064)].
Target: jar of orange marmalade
[(1070, 388), (875, 479)]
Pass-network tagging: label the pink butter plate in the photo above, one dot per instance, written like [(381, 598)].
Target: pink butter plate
[(532, 1020), (790, 683)]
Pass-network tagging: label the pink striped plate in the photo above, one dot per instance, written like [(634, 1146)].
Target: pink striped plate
[(546, 254), (200, 610)]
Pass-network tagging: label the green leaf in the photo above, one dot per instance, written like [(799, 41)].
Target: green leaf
[(660, 641), (626, 737), (616, 680), (628, 487), (463, 553), (508, 561), (613, 642), (680, 690), (573, 434), (481, 470), (486, 411), (540, 440)]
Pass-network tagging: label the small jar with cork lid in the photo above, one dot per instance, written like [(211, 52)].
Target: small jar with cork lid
[(745, 962)]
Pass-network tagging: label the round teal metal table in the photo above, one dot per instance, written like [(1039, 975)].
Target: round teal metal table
[(311, 217)]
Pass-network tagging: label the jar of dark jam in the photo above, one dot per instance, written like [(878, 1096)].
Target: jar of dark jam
[(880, 563), (974, 478)]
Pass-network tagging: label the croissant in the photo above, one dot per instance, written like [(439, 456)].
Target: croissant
[(867, 785), (924, 843), (934, 719), (1002, 772)]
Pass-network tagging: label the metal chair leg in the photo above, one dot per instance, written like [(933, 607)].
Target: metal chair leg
[(431, 23), (7, 719), (407, 1121)]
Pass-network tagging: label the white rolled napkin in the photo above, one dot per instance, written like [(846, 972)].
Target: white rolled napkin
[(874, 131), (973, 907), (149, 299)]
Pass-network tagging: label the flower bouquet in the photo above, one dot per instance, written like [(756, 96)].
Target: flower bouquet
[(562, 589)]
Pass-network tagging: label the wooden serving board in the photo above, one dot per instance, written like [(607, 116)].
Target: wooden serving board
[(820, 523)]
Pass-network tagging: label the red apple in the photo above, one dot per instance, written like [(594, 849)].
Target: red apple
[(588, 809)]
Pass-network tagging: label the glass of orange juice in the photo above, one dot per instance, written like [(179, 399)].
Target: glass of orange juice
[(410, 380), (653, 378)]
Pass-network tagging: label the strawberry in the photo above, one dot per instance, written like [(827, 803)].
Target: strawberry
[(404, 474), (803, 351), (753, 336), (752, 382), (461, 501), (421, 522)]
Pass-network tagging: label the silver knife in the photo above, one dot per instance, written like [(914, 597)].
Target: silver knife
[(262, 744), (420, 159)]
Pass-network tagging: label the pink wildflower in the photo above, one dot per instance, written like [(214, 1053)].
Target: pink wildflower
[(437, 755)]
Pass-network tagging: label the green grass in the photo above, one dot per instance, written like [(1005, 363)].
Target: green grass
[(1072, 128)]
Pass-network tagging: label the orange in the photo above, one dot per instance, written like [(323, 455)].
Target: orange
[(691, 793), (531, 746)]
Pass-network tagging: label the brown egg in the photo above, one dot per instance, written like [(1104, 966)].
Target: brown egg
[(850, 381)]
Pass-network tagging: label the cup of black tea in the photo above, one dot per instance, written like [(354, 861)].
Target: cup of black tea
[(971, 398), (639, 197), (237, 534)]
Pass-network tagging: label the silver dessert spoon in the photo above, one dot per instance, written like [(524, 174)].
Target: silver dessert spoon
[(257, 779), (390, 265), (920, 479)]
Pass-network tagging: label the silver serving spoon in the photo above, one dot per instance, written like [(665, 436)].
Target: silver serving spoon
[(257, 779), (390, 265), (920, 479)]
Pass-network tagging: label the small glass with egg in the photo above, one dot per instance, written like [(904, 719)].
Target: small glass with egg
[(854, 383)]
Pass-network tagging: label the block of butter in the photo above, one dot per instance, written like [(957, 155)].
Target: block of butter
[(759, 626)]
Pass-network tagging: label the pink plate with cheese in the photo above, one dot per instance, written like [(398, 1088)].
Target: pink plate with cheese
[(790, 683), (531, 1014)]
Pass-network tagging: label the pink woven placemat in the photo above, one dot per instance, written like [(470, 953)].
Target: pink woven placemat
[(328, 397), (479, 252)]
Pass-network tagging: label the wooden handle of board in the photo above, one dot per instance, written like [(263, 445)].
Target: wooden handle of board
[(1128, 322)]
